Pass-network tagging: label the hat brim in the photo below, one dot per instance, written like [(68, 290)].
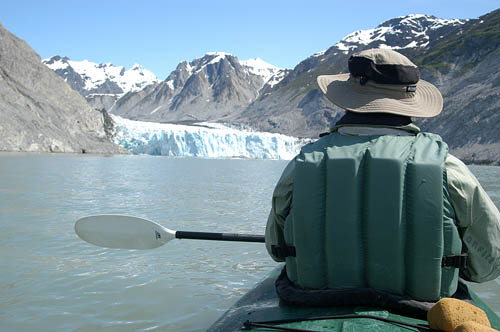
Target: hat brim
[(344, 92)]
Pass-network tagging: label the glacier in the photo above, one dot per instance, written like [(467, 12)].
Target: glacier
[(205, 140)]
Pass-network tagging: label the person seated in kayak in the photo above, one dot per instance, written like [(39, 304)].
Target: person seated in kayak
[(378, 204)]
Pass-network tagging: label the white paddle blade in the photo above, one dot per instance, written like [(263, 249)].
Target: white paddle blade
[(125, 232)]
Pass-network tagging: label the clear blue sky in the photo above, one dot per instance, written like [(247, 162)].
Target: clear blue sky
[(159, 34)]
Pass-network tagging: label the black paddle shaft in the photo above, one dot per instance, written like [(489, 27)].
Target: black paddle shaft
[(220, 236)]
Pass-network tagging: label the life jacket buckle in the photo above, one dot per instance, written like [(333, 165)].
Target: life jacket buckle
[(283, 251), (457, 261)]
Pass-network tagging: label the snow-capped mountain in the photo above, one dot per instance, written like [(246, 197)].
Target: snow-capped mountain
[(101, 84), (207, 140), (297, 95), (214, 87), (412, 31), (89, 78), (257, 67), (459, 56)]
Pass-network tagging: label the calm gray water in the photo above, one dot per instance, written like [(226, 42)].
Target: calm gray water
[(52, 281)]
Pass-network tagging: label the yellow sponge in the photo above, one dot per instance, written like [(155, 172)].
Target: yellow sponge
[(473, 327), (448, 313)]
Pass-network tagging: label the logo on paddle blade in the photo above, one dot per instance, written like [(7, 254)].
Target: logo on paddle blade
[(158, 235)]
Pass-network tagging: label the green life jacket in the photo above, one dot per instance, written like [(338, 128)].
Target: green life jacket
[(373, 211)]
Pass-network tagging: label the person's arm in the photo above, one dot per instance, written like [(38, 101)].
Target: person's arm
[(478, 220), (281, 203)]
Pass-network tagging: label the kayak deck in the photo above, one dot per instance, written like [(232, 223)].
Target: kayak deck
[(262, 304)]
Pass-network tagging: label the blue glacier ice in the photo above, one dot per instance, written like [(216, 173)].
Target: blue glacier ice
[(206, 140)]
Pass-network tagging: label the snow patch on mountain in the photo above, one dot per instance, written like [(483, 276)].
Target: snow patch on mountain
[(206, 140), (96, 75), (209, 58), (365, 37), (278, 77), (255, 66), (435, 23), (261, 68), (416, 29), (217, 56), (321, 53)]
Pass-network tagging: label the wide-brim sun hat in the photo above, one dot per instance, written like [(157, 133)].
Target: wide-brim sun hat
[(382, 81)]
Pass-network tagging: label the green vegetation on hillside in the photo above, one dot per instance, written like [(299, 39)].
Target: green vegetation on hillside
[(305, 82), (480, 38)]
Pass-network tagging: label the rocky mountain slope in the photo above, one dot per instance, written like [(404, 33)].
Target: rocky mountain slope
[(206, 88), (101, 84), (213, 87), (39, 111), (465, 67), (458, 56), (297, 106)]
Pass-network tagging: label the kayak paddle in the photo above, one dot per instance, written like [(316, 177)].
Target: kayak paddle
[(126, 232)]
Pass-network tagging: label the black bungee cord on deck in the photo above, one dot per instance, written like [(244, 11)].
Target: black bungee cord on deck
[(272, 325)]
